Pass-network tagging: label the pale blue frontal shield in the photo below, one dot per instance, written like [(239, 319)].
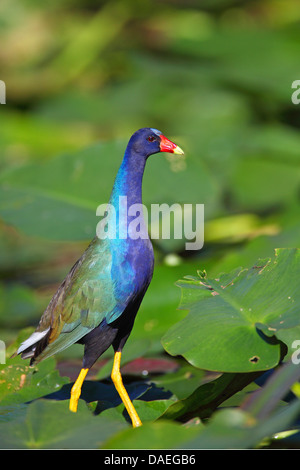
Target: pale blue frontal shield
[(155, 131)]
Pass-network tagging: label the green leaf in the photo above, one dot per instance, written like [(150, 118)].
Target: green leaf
[(46, 424), (235, 321), (158, 435), (182, 382), (208, 396), (151, 410), (20, 383)]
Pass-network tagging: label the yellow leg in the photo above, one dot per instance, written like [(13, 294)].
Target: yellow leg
[(117, 380), (76, 390)]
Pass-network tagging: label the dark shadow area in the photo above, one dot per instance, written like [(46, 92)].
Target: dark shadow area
[(107, 396)]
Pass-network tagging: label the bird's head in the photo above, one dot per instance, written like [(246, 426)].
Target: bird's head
[(148, 141)]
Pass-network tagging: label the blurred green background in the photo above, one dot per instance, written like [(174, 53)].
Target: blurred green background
[(81, 76)]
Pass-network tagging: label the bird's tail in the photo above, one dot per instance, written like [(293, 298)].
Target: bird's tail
[(29, 348)]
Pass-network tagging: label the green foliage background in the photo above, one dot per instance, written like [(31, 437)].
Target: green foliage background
[(81, 77)]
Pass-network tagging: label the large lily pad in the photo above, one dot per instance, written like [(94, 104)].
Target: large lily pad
[(46, 424), (236, 322)]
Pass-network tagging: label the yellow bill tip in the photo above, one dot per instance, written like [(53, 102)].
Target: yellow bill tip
[(178, 150)]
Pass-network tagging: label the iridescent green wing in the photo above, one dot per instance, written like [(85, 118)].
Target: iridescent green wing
[(83, 300)]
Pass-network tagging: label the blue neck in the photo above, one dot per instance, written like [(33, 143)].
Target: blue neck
[(127, 190), (129, 178), (132, 259)]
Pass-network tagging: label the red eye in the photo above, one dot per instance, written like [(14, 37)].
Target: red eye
[(151, 138)]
